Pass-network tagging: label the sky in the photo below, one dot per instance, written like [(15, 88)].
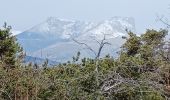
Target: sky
[(24, 14)]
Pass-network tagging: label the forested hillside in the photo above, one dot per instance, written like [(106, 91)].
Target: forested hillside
[(140, 72)]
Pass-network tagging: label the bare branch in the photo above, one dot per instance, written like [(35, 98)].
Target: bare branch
[(161, 19), (88, 47), (102, 44)]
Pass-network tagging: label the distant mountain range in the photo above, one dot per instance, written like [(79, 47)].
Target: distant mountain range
[(39, 61), (53, 38)]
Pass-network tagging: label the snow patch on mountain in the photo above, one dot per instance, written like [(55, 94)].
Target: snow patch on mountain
[(15, 32)]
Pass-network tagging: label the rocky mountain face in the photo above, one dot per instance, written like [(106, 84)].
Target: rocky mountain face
[(53, 38)]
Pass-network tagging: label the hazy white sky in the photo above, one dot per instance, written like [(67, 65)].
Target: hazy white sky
[(23, 14)]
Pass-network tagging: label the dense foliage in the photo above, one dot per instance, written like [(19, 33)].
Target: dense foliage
[(140, 72), (9, 48)]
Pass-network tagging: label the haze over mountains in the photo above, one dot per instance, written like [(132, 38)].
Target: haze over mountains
[(53, 38)]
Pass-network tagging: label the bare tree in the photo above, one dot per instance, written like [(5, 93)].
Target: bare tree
[(97, 54), (101, 43), (163, 20)]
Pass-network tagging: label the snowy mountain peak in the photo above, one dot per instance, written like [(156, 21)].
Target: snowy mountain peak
[(65, 29), (55, 33)]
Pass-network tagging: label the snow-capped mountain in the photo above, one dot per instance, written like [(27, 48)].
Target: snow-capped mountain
[(53, 38)]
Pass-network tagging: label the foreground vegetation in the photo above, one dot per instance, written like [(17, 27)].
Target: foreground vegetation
[(140, 72)]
